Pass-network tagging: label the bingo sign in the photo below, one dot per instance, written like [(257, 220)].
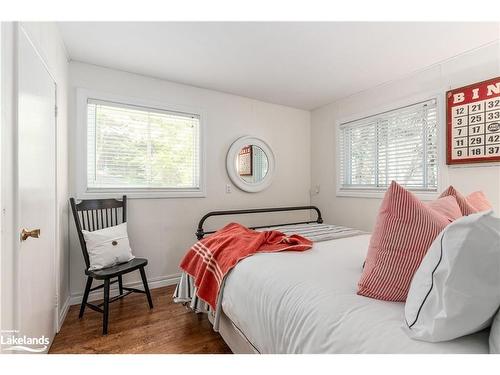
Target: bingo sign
[(473, 123)]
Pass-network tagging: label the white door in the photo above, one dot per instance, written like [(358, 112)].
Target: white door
[(36, 287)]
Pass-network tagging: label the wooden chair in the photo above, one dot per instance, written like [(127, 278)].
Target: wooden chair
[(97, 214)]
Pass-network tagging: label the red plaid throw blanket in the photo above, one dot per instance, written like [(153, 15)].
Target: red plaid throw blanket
[(210, 259)]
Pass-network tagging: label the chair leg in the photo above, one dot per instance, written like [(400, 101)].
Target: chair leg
[(85, 296), (105, 308), (120, 284), (146, 287)]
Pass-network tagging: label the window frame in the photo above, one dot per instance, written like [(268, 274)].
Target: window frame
[(82, 189), (442, 177)]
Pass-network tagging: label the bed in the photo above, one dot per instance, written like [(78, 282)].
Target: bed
[(306, 302)]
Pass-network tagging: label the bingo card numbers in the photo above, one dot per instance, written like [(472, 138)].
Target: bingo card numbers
[(473, 123)]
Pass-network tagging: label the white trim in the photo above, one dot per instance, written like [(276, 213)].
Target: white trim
[(63, 313), (425, 196), (8, 286), (83, 192), (232, 155), (2, 120), (442, 170), (153, 283)]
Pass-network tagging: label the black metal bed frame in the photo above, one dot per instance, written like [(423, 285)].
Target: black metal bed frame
[(200, 233)]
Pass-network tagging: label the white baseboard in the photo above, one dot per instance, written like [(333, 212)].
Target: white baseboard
[(63, 313), (153, 283)]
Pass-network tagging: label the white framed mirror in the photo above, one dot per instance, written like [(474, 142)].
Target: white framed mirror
[(250, 164)]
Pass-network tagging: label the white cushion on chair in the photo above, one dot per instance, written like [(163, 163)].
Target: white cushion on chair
[(108, 247)]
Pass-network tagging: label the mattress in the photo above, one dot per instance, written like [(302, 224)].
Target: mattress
[(307, 303)]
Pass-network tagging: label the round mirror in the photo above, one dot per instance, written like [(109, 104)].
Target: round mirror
[(250, 164)]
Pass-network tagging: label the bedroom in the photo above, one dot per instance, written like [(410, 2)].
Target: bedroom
[(352, 149)]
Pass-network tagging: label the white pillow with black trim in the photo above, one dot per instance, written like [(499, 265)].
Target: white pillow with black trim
[(108, 247), (456, 289), (495, 335)]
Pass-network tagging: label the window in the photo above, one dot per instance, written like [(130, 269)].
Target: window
[(133, 148), (398, 145)]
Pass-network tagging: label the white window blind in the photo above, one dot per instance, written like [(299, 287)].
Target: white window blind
[(399, 145), (134, 147)]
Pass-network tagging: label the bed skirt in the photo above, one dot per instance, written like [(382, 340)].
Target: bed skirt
[(185, 293)]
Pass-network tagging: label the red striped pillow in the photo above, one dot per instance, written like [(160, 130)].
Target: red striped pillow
[(463, 203), (404, 231), (479, 201), (446, 206)]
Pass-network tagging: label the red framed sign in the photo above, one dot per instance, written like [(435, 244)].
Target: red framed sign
[(245, 162), (473, 123)]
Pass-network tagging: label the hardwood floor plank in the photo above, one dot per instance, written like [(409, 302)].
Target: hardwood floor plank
[(134, 328)]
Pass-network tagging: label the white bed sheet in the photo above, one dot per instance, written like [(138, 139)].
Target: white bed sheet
[(307, 303)]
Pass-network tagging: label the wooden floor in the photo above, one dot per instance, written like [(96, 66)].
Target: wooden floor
[(134, 328)]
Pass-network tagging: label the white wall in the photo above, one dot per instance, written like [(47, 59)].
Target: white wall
[(162, 229), (468, 68), (47, 40)]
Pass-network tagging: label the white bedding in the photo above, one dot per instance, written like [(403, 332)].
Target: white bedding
[(306, 303)]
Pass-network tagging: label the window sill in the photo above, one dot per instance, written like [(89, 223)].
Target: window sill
[(141, 193), (377, 194)]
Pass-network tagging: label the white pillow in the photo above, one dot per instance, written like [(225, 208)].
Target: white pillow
[(495, 335), (456, 289), (108, 247)]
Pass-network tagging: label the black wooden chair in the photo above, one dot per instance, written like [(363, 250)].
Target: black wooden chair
[(97, 214)]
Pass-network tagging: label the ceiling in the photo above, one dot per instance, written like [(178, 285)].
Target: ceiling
[(298, 64)]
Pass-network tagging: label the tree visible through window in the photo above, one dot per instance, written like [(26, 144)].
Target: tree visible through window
[(133, 147), (398, 145)]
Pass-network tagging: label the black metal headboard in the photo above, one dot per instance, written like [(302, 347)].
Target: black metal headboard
[(200, 233)]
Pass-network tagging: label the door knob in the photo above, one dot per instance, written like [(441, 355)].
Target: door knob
[(35, 233)]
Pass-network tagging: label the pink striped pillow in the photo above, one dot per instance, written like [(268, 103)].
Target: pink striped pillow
[(446, 206), (404, 231), (479, 201), (464, 205)]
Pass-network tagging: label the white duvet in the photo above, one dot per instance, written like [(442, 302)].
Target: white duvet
[(307, 303)]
